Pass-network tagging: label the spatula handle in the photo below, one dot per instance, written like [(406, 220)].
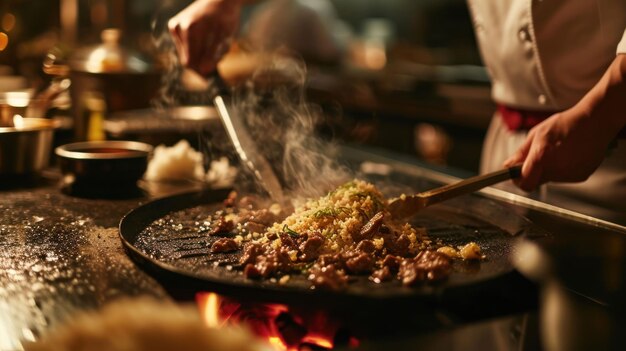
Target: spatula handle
[(470, 185)]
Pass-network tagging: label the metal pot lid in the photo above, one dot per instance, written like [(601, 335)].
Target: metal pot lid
[(110, 57)]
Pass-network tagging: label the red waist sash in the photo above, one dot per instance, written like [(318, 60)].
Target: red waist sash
[(517, 119)]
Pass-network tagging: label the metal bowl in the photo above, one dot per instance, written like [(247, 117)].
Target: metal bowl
[(108, 163), (25, 147)]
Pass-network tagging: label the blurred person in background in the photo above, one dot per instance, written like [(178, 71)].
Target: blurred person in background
[(203, 31), (557, 70)]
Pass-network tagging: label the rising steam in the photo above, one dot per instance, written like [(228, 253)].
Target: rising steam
[(280, 120), (284, 125)]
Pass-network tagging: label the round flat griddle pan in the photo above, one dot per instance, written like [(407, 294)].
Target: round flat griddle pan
[(184, 259)]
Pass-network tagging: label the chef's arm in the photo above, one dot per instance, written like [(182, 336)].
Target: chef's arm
[(569, 146), (607, 99), (203, 30)]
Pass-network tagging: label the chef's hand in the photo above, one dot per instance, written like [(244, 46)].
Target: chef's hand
[(569, 146), (202, 32)]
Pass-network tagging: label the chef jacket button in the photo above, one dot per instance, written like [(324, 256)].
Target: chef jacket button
[(524, 35), (542, 99)]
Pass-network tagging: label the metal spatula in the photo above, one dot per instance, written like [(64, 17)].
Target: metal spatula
[(409, 205), (246, 147)]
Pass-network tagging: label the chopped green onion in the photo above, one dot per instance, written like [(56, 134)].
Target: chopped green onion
[(331, 212), (290, 231)]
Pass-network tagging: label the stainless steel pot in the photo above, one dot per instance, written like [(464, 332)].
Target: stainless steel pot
[(25, 148), (105, 78), (581, 302)]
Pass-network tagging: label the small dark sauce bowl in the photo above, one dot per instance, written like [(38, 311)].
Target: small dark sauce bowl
[(103, 165)]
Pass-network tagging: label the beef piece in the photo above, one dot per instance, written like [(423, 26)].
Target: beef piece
[(435, 263), (282, 259), (302, 238), (249, 202), (266, 217), (250, 253), (392, 262), (399, 246), (231, 199), (272, 236), (224, 245), (254, 227), (329, 259), (311, 247), (328, 277), (410, 274), (264, 267), (221, 226), (262, 216), (381, 275), (371, 227), (348, 254), (366, 246), (250, 271), (360, 264), (272, 263), (427, 265), (287, 241)]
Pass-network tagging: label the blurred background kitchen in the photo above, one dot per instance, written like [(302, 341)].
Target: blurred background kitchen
[(403, 75)]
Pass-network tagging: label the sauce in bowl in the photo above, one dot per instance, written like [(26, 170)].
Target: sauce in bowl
[(108, 162), (104, 150)]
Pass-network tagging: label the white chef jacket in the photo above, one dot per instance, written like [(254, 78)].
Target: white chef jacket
[(546, 55)]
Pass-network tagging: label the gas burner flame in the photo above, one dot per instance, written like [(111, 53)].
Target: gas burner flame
[(273, 323)]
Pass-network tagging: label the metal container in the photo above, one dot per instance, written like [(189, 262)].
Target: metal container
[(25, 147), (106, 78)]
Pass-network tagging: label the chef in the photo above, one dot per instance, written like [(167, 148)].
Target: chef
[(558, 70)]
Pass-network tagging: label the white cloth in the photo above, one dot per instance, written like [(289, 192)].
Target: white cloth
[(546, 55)]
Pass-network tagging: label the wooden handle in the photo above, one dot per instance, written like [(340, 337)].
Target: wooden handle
[(470, 185)]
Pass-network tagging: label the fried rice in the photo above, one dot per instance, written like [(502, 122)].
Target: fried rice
[(340, 215)]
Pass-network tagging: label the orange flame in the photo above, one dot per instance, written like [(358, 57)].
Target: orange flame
[(209, 307), (218, 311), (318, 340)]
